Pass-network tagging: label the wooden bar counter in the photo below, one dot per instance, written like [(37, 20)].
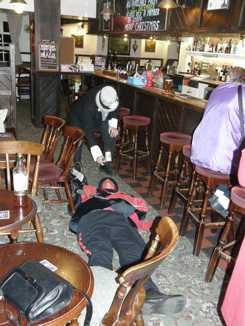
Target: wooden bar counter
[(169, 112)]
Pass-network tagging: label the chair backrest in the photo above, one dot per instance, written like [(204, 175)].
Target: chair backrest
[(129, 297), (52, 130), (31, 151), (73, 138)]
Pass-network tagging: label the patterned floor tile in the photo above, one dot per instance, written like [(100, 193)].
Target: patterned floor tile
[(181, 272)]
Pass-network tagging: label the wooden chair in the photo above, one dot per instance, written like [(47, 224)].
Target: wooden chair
[(57, 175), (126, 307), (30, 150), (52, 129)]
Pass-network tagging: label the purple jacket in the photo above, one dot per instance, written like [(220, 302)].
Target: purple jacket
[(218, 134)]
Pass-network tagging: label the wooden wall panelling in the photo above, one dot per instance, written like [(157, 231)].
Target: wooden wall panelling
[(226, 20), (185, 19), (46, 85), (47, 96), (126, 96)]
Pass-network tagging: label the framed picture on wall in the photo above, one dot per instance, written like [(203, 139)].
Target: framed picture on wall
[(79, 40), (218, 4), (150, 46), (119, 45)]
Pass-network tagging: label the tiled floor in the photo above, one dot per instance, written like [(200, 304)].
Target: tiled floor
[(180, 273)]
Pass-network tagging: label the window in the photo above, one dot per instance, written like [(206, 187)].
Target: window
[(218, 4), (5, 40)]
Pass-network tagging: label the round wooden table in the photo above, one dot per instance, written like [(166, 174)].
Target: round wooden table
[(69, 265), (18, 215)]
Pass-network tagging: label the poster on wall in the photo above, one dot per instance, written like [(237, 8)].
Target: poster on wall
[(48, 55), (218, 4)]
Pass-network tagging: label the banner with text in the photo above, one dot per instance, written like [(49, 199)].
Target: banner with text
[(140, 16)]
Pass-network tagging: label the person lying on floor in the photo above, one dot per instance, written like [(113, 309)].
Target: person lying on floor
[(106, 219)]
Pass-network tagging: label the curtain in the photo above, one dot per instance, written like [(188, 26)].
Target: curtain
[(15, 23)]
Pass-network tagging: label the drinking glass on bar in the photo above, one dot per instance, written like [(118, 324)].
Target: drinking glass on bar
[(168, 85)]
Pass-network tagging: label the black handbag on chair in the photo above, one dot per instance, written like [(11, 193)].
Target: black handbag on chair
[(36, 291)]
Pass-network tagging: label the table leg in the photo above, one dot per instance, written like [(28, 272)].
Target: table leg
[(13, 237), (38, 227)]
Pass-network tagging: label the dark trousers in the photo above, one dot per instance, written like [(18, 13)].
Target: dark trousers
[(108, 142), (102, 231)]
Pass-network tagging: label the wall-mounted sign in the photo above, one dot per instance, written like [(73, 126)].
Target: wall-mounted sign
[(218, 4), (140, 16), (48, 55)]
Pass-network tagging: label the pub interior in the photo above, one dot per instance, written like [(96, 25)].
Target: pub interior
[(166, 60)]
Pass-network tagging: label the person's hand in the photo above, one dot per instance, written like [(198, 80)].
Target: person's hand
[(113, 132), (100, 160)]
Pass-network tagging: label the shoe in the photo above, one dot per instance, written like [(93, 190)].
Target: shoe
[(162, 304), (107, 168)]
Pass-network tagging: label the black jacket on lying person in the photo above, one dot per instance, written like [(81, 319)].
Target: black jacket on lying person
[(104, 221), (100, 201)]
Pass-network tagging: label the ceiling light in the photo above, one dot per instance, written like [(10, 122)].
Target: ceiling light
[(18, 5), (107, 11), (167, 4)]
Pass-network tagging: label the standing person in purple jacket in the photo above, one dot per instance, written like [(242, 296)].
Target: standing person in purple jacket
[(218, 136)]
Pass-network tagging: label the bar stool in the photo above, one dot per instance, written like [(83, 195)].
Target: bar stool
[(129, 145), (229, 238), (123, 112), (197, 208), (175, 142), (182, 187)]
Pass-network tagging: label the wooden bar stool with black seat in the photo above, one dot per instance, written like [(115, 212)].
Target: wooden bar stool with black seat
[(175, 142), (231, 236), (181, 190), (198, 208), (130, 142)]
